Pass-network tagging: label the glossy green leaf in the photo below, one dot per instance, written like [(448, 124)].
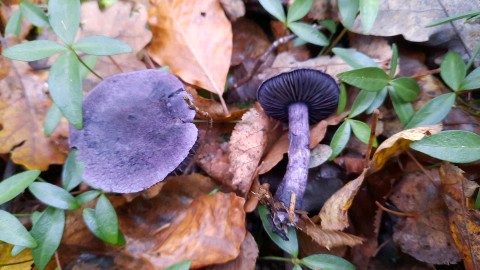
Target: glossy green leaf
[(394, 60), (457, 146), (53, 195), (472, 81), (16, 184), (368, 13), (433, 112), (91, 222), (14, 24), (369, 78), (327, 262), (101, 45), (456, 17), (52, 119), (363, 100), (106, 219), (473, 57), (297, 267), (452, 70), (87, 196), (64, 18), (354, 58), (33, 50), (17, 250), (360, 130), (298, 10), (404, 110), (290, 246), (13, 232), (66, 87), (91, 62), (377, 101), (183, 265), (72, 171), (298, 42), (340, 139), (33, 14), (342, 100), (48, 232), (406, 88), (275, 8), (308, 33), (348, 11), (330, 25)]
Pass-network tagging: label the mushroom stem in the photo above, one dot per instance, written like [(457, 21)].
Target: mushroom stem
[(295, 179)]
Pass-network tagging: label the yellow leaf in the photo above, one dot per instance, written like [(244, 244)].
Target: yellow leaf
[(5, 258)]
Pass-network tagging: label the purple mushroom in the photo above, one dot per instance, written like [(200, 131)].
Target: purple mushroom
[(300, 97), (137, 129)]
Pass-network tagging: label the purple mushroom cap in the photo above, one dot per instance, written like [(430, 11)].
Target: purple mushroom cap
[(137, 128), (317, 90)]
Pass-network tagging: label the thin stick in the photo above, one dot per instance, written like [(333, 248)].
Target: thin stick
[(83, 63), (291, 210), (400, 214), (430, 72), (115, 63), (372, 136), (423, 169), (335, 42), (57, 261)]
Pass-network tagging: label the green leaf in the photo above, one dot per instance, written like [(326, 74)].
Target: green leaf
[(87, 196), (101, 45), (330, 25), (64, 18), (16, 184), (297, 267), (308, 33), (327, 262), (183, 265), (378, 100), (91, 62), (14, 24), (52, 119), (298, 10), (369, 78), (457, 146), (394, 60), (48, 232), (91, 222), (363, 100), (452, 70), (13, 232), (53, 195), (342, 100), (404, 110), (368, 13), (33, 14), (106, 220), (472, 81), (72, 171), (275, 8), (473, 57), (477, 201), (353, 58), (298, 42), (17, 250), (348, 11), (340, 139), (66, 87), (456, 17), (290, 246), (433, 112), (361, 130), (34, 50), (406, 88)]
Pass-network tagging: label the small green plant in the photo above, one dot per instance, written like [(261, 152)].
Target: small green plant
[(290, 246), (183, 265), (349, 10)]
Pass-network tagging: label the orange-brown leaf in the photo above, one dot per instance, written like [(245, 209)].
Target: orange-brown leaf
[(5, 258), (245, 261)]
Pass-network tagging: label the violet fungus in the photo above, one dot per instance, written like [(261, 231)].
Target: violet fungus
[(300, 97), (137, 129)]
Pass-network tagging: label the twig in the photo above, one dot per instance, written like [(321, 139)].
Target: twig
[(291, 210), (372, 136), (83, 63), (115, 63), (429, 72), (335, 42), (397, 213), (57, 261), (423, 169)]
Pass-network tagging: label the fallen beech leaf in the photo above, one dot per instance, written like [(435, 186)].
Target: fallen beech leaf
[(464, 223), (247, 144), (210, 231), (5, 258), (399, 143), (183, 40), (334, 213), (233, 8), (4, 65), (245, 261), (425, 235), (23, 105)]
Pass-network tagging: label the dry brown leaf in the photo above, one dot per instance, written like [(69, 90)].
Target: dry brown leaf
[(4, 64), (5, 258), (399, 143), (210, 231), (233, 8), (334, 213), (23, 105), (464, 222), (245, 261), (247, 144), (425, 235), (183, 40)]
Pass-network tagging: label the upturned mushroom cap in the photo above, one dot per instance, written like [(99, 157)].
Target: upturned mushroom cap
[(316, 89), (137, 129)]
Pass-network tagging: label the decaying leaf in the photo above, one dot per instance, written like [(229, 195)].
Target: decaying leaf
[(183, 40), (233, 8), (464, 222), (245, 261), (5, 258), (4, 64), (424, 234), (399, 143), (247, 144), (23, 105), (210, 231), (334, 213)]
